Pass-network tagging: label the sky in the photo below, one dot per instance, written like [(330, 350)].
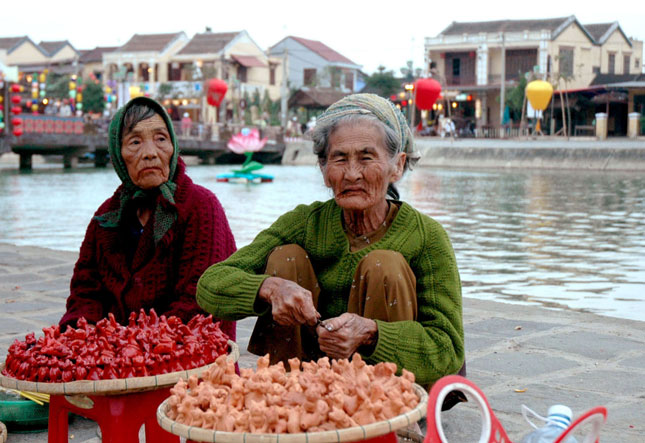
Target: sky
[(370, 33)]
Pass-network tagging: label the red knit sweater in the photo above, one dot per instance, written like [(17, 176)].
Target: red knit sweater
[(163, 277)]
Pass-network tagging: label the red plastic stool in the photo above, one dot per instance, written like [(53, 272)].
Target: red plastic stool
[(119, 416)]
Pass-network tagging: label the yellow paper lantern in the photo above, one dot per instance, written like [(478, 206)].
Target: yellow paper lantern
[(539, 94), (135, 91), (34, 93), (108, 90), (42, 78), (79, 97), (34, 107), (72, 85)]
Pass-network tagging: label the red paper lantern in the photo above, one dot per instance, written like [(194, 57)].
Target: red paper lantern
[(392, 98), (17, 131), (16, 110), (215, 91), (15, 99), (428, 90), (16, 121), (15, 87)]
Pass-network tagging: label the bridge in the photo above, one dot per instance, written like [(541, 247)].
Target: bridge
[(73, 146)]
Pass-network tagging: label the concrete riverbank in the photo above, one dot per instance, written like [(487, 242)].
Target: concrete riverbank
[(539, 153), (578, 359)]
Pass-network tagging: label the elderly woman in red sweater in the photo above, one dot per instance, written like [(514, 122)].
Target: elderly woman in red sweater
[(149, 243)]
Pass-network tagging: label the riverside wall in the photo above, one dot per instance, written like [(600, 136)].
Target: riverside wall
[(586, 153)]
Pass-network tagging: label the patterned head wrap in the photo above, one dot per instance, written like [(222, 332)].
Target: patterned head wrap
[(381, 108), (165, 212)]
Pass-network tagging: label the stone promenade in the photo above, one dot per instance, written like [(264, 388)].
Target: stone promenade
[(578, 359)]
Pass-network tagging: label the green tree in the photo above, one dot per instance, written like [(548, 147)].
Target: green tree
[(383, 83), (408, 71), (515, 98), (266, 102), (93, 99), (165, 89), (247, 108), (256, 98), (57, 86)]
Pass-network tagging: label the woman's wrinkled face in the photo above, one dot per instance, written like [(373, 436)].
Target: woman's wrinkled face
[(358, 168), (146, 151)]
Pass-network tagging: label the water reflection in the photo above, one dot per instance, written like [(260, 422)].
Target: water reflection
[(560, 239)]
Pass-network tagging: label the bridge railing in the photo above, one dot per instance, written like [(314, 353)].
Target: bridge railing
[(47, 124)]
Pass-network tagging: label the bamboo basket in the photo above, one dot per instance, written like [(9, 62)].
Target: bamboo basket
[(113, 386), (340, 435), (3, 432)]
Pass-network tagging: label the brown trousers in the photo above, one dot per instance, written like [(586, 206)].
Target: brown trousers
[(384, 288)]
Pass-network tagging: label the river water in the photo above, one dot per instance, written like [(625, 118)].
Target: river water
[(558, 239)]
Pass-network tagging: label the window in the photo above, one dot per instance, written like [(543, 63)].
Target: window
[(626, 60), (460, 67), (241, 74), (174, 72), (349, 81), (519, 62), (565, 60), (335, 77), (611, 64), (309, 77), (595, 69), (272, 75), (637, 64)]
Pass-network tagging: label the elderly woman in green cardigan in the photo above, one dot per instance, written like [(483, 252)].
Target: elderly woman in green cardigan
[(363, 272)]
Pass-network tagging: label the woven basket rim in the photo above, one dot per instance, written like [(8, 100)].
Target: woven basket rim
[(336, 436), (111, 386)]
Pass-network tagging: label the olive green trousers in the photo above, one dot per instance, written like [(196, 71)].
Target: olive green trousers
[(383, 288)]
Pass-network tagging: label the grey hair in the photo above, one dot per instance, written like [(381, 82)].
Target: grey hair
[(322, 132)]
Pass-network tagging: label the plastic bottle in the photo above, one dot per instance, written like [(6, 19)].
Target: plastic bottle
[(558, 420)]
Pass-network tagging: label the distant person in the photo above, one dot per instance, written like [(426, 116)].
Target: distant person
[(311, 124), (148, 244), (174, 113), (65, 109), (186, 125)]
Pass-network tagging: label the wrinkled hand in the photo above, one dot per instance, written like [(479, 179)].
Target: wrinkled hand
[(340, 337), (291, 304)]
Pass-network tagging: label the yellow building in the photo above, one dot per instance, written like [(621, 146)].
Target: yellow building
[(144, 58), (471, 59), (230, 56), (91, 62), (17, 51)]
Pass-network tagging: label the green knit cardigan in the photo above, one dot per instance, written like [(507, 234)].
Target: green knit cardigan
[(430, 347)]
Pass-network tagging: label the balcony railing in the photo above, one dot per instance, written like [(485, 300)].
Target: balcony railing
[(461, 80)]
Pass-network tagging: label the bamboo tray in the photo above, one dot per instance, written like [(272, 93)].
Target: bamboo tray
[(340, 435), (112, 386)]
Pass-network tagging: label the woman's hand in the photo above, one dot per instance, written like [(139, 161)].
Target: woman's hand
[(340, 337), (290, 303)]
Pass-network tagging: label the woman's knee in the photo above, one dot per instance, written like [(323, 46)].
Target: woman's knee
[(286, 253), (383, 263)]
